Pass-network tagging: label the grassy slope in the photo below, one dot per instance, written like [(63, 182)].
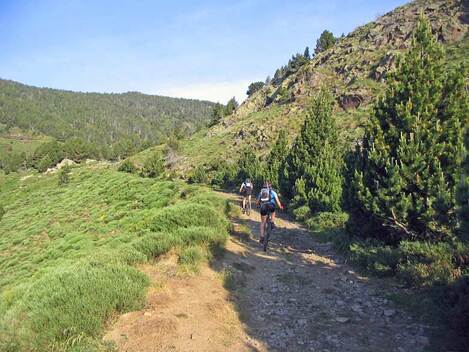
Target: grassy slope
[(18, 146), (67, 254), (17, 142), (346, 68)]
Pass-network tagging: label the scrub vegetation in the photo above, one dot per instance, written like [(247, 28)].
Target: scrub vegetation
[(68, 253)]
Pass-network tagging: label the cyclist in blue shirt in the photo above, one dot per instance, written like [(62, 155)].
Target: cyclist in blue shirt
[(267, 200)]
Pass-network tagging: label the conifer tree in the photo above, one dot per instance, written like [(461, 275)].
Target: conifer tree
[(412, 151), (307, 55), (313, 166), (254, 87), (276, 158), (325, 41), (231, 106), (217, 114), (249, 166)]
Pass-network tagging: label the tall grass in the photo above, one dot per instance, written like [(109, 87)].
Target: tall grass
[(67, 254)]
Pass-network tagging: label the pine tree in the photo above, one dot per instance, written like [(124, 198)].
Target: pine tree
[(276, 158), (231, 106), (313, 166), (325, 41), (217, 114), (307, 55), (254, 87), (412, 151), (249, 166)]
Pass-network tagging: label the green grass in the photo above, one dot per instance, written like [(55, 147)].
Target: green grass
[(139, 158), (211, 148), (19, 145), (67, 253)]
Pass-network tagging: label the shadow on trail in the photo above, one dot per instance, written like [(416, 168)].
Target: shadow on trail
[(299, 296)]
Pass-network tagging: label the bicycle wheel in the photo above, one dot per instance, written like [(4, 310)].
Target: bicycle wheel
[(268, 230)]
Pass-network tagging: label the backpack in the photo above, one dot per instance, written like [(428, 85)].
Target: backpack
[(266, 195), (248, 187)]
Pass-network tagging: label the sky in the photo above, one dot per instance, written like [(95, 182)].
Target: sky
[(207, 49)]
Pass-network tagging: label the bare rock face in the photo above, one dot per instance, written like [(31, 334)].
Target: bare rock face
[(350, 101), (385, 64), (63, 163)]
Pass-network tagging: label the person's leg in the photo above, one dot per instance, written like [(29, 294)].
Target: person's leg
[(249, 201), (244, 202), (263, 220)]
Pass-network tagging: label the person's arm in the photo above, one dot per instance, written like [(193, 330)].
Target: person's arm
[(258, 199), (278, 202), (241, 188)]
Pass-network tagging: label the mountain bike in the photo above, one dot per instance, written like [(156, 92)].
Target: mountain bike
[(267, 231)]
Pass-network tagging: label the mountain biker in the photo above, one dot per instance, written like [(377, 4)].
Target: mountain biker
[(267, 200), (246, 190)]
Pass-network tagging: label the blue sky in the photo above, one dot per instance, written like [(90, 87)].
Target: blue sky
[(197, 49)]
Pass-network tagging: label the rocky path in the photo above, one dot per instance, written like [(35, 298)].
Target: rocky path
[(299, 296)]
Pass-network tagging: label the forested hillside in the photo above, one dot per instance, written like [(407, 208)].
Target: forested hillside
[(112, 124)]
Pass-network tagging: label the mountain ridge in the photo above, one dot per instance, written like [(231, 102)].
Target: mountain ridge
[(129, 92)]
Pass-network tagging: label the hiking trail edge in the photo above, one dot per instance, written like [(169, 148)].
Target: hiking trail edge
[(299, 296)]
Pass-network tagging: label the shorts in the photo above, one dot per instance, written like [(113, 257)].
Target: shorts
[(247, 193), (267, 208)]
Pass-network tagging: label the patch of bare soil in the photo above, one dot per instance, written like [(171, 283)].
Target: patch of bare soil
[(299, 296), (184, 312)]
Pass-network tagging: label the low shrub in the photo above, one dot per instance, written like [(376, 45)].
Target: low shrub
[(378, 260), (417, 264), (185, 215), (64, 175), (327, 221), (302, 213), (127, 166), (199, 175), (191, 256), (225, 175), (153, 166), (424, 264), (71, 301), (58, 289), (153, 245)]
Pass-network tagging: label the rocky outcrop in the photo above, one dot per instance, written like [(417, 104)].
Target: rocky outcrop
[(350, 101), (63, 163), (386, 63)]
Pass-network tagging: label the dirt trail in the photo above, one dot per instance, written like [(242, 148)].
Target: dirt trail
[(299, 296)]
